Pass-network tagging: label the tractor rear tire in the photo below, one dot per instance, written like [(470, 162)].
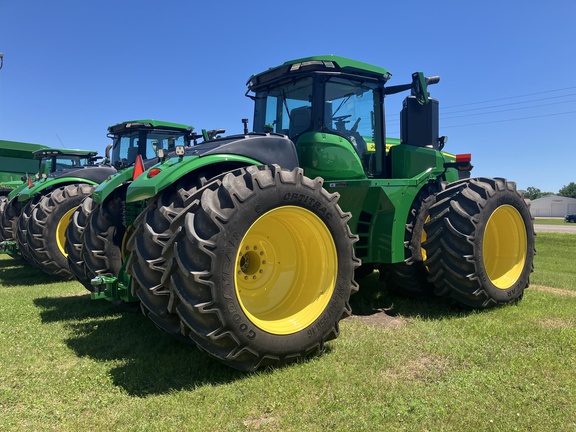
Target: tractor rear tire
[(9, 222), (73, 245), (146, 264), (46, 231), (480, 242), (410, 278), (103, 237), (261, 267), (22, 228)]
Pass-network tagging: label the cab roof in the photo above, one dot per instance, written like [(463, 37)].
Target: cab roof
[(38, 154), (324, 63), (149, 124)]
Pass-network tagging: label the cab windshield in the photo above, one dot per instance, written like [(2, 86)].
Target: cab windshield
[(146, 143), (49, 164)]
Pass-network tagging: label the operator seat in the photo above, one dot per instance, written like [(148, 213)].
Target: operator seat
[(132, 153), (300, 119)]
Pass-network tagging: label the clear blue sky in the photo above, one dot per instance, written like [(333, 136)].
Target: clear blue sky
[(74, 67)]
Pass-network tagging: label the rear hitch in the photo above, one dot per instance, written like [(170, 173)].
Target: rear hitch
[(9, 247), (112, 288)]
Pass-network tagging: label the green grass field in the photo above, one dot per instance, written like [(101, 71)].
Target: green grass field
[(72, 364)]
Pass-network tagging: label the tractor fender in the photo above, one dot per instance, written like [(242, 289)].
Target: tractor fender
[(170, 171)]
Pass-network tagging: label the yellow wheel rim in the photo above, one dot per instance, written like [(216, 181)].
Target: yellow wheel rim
[(123, 249), (505, 246), (61, 230), (423, 238), (286, 270)]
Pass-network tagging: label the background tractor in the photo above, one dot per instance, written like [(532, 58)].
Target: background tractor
[(17, 162), (97, 227), (257, 260), (35, 219)]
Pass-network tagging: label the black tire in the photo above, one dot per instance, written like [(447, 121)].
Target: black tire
[(410, 278), (9, 221), (146, 264), (3, 203), (223, 297), (47, 227), (22, 229), (103, 236), (480, 244), (73, 245)]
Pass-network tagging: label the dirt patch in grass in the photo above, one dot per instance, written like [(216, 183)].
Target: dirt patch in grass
[(425, 368), (555, 291), (378, 318), (261, 423), (555, 323)]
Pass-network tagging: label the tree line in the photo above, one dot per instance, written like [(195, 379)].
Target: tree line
[(535, 193)]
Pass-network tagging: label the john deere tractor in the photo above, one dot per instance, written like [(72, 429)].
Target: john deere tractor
[(248, 245), (97, 227), (35, 219), (16, 163)]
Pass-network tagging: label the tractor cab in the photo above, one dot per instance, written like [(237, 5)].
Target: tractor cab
[(332, 108), (145, 138), (53, 159)]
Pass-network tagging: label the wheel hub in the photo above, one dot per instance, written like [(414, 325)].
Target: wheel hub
[(252, 263)]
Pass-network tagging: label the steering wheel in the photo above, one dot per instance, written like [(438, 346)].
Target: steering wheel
[(341, 118), (339, 122)]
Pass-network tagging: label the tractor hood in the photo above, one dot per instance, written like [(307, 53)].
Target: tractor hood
[(234, 151), (95, 173), (257, 146)]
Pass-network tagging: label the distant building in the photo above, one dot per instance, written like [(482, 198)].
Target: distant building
[(552, 206)]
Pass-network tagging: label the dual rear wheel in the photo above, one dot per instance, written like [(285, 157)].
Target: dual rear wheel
[(258, 269), (471, 241)]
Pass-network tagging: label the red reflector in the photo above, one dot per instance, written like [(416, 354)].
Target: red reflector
[(153, 172), (30, 184), (138, 167), (466, 157)]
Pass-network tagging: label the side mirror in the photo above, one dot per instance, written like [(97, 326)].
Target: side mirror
[(420, 85)]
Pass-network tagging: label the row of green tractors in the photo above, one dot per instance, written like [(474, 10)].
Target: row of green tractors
[(249, 246)]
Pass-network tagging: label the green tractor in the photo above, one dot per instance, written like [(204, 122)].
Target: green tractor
[(249, 245), (94, 236), (35, 218), (16, 163)]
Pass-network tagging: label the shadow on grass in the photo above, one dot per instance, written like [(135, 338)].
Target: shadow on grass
[(18, 272), (151, 361), (372, 298), (148, 361)]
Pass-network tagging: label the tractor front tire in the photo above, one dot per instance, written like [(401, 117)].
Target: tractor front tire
[(46, 231), (480, 242), (22, 229), (261, 267), (103, 237), (3, 203), (146, 264), (73, 245), (9, 221)]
